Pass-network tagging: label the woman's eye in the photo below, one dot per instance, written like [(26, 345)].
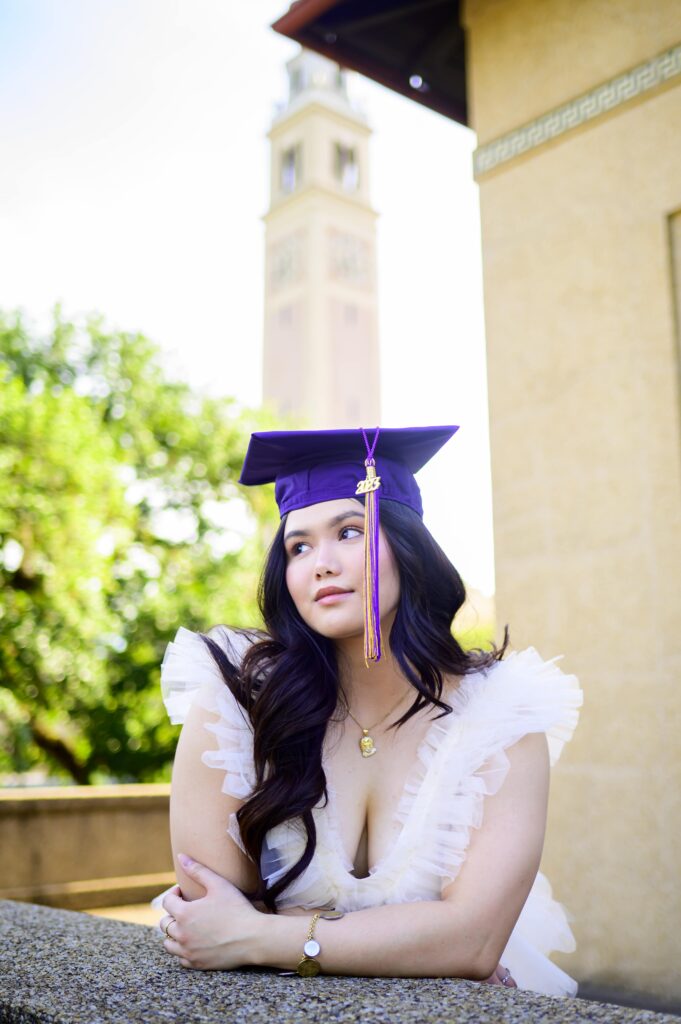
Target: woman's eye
[(295, 550), (354, 530)]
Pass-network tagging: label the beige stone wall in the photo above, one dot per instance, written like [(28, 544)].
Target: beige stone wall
[(583, 357), (85, 846), (525, 57)]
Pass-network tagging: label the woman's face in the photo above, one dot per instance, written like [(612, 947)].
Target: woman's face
[(325, 549)]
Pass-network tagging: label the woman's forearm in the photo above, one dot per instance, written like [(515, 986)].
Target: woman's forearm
[(428, 939)]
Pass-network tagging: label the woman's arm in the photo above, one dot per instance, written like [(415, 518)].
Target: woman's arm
[(463, 935), (199, 811)]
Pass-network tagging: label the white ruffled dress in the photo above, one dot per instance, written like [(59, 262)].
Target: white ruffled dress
[(460, 761)]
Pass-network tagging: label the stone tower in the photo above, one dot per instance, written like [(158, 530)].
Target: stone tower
[(321, 362)]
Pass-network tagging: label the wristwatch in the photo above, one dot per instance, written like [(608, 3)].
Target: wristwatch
[(309, 966)]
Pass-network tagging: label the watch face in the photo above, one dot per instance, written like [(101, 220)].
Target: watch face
[(308, 968)]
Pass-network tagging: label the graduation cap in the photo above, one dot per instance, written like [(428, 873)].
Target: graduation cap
[(310, 466)]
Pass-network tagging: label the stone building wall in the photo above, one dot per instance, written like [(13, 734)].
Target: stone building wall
[(577, 106)]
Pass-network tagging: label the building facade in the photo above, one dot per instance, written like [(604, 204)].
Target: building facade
[(577, 109)]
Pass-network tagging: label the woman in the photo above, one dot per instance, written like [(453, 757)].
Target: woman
[(352, 772)]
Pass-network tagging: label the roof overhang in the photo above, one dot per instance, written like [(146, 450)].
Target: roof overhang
[(415, 47)]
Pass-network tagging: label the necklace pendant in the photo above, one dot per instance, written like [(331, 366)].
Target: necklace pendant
[(366, 744)]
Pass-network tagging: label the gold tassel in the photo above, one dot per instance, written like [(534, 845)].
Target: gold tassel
[(372, 622)]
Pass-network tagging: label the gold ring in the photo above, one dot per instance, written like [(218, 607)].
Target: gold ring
[(167, 934)]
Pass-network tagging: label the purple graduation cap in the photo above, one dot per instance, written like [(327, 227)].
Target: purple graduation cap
[(309, 466)]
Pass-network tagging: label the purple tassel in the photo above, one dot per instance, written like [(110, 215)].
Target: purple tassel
[(369, 487)]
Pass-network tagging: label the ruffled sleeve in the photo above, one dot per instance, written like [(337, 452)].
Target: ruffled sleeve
[(462, 760), (523, 694), (190, 676)]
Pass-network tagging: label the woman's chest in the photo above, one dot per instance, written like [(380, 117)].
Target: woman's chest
[(365, 792)]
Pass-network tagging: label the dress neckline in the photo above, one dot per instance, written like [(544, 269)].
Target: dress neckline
[(412, 789)]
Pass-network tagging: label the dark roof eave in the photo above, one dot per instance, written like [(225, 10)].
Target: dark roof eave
[(299, 24)]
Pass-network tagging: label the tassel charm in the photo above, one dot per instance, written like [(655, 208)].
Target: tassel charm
[(371, 482), (369, 487)]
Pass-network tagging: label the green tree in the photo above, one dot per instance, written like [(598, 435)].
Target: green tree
[(120, 520)]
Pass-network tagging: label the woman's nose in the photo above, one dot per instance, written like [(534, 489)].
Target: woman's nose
[(326, 564), (323, 568)]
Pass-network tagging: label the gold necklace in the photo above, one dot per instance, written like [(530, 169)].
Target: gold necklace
[(366, 744)]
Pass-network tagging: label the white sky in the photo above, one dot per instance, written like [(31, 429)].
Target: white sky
[(133, 179)]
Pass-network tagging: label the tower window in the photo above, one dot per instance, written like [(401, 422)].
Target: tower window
[(346, 167), (295, 81), (291, 167)]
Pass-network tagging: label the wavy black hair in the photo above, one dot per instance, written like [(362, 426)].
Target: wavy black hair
[(289, 684)]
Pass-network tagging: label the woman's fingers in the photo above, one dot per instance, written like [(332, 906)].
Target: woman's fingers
[(500, 976), (165, 925), (205, 876), (173, 903), (177, 950), (505, 978)]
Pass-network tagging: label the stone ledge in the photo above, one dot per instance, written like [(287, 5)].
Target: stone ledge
[(93, 892), (61, 967), (78, 846), (59, 799)]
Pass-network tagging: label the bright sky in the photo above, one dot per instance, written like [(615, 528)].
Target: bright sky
[(133, 179)]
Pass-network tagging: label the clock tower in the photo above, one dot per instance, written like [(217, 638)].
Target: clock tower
[(321, 361)]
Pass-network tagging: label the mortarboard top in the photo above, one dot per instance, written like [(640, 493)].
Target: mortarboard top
[(309, 466)]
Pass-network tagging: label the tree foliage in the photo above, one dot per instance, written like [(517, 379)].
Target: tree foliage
[(120, 520)]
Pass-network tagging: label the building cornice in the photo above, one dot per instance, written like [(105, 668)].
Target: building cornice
[(584, 108), (287, 118), (314, 191)]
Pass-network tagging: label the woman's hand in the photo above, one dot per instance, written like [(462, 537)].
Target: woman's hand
[(500, 976), (216, 932)]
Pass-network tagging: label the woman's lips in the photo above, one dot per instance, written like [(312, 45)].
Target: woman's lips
[(332, 598)]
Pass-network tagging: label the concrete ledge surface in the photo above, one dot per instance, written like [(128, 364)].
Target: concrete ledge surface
[(62, 967)]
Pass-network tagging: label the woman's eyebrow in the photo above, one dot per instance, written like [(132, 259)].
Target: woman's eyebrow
[(332, 522)]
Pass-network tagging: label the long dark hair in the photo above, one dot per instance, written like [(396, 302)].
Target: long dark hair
[(288, 681)]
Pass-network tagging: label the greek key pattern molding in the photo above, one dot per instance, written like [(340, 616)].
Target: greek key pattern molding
[(578, 111)]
